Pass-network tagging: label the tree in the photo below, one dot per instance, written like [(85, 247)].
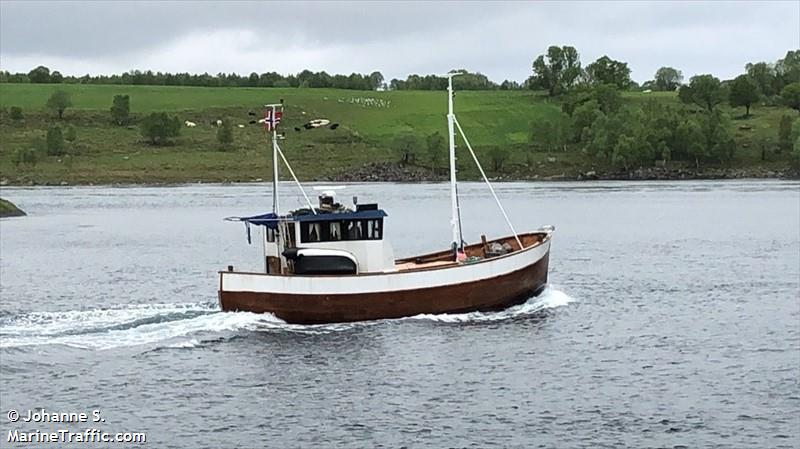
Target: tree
[(608, 98), (56, 77), (667, 79), (435, 145), (498, 156), (788, 68), (406, 147), (763, 75), (791, 96), (743, 92), (558, 72), (120, 109), (158, 127), (608, 71), (55, 141), (550, 135), (705, 91), (376, 80), (59, 101), (583, 118), (785, 134), (39, 75), (225, 134), (15, 112)]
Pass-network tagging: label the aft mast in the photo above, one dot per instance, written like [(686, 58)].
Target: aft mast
[(455, 223)]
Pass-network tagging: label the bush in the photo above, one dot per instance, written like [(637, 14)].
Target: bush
[(406, 146), (225, 134), (120, 109), (158, 127), (498, 155), (785, 134), (15, 113), (26, 156), (70, 135), (55, 142)]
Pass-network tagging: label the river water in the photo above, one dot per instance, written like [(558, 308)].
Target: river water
[(672, 320)]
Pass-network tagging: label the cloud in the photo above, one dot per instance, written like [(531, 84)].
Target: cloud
[(499, 39)]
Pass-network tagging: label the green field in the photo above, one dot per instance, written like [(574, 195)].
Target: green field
[(104, 153)]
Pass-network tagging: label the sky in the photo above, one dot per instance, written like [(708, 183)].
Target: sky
[(499, 39)]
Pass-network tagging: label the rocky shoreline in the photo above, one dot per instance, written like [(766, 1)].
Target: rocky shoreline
[(397, 173), (392, 172)]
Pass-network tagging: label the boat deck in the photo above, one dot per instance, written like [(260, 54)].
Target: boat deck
[(406, 265), (445, 258)]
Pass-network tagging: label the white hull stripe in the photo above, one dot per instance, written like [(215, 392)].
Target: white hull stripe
[(389, 282)]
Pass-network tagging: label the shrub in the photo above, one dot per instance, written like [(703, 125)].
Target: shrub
[(406, 146), (69, 134), (158, 127), (498, 155), (120, 109), (15, 113), (26, 156), (225, 134), (55, 141)]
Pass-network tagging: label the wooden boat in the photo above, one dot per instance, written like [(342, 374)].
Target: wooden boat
[(331, 263)]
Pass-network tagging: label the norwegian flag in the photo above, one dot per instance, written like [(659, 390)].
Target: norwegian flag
[(271, 119)]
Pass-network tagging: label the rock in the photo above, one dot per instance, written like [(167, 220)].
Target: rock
[(8, 209)]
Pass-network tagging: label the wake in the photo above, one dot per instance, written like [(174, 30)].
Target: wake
[(189, 325)]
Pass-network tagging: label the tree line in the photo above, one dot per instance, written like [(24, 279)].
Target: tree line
[(306, 78)]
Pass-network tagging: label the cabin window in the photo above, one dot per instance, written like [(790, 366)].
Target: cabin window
[(310, 232), (353, 230), (270, 234), (334, 231)]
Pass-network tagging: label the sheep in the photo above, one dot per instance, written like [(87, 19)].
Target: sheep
[(240, 126), (219, 122), (189, 124)]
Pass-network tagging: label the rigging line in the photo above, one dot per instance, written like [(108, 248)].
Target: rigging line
[(300, 186), (491, 189)]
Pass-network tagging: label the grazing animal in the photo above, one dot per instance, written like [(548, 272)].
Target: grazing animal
[(297, 129), (189, 124), (240, 126), (219, 122), (334, 125)]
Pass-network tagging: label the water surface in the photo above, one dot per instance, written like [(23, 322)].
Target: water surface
[(672, 319)]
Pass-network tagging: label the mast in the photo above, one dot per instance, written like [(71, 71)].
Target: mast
[(451, 136), (275, 205)]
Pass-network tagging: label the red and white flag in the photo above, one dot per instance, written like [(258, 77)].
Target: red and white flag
[(271, 119)]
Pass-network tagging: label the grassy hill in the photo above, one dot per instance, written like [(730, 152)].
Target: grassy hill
[(104, 153)]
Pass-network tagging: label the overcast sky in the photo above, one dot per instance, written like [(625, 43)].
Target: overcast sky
[(498, 39)]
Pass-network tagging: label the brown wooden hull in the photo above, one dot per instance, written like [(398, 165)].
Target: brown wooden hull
[(495, 293)]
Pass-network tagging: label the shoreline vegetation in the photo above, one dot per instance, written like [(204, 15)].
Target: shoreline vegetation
[(9, 209), (566, 122)]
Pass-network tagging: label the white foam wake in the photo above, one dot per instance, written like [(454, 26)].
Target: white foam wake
[(188, 325), (550, 298), (129, 326)]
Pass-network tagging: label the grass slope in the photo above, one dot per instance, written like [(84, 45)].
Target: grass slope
[(104, 153)]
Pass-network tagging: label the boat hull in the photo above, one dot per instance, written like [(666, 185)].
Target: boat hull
[(489, 285)]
